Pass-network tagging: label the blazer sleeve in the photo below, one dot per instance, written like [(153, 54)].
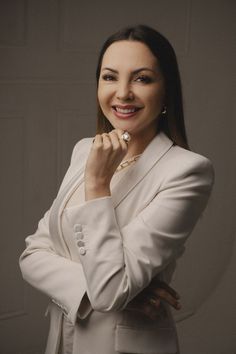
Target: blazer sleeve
[(56, 276), (119, 262)]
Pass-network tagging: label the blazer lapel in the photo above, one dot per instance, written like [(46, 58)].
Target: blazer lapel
[(158, 146), (154, 151)]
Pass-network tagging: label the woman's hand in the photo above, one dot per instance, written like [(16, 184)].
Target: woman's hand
[(107, 151), (149, 301)]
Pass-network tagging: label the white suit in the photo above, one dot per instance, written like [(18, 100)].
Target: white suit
[(119, 244)]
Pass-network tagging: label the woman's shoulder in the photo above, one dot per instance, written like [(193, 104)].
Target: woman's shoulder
[(177, 158), (189, 157), (83, 143), (81, 148), (180, 162)]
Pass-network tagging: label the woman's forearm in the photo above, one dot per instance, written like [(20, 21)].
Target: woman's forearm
[(95, 190)]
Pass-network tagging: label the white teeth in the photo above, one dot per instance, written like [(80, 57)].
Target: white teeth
[(125, 110)]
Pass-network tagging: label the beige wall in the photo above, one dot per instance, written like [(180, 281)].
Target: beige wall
[(48, 52)]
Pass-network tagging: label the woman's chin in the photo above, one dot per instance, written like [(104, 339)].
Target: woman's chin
[(124, 125)]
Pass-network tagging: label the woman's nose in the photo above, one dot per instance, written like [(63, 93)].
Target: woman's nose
[(124, 92)]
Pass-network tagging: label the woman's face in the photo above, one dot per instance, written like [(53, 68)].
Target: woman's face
[(131, 87)]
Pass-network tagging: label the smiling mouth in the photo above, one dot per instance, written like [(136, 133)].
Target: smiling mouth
[(126, 110)]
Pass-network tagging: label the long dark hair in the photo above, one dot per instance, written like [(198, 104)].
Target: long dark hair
[(172, 123)]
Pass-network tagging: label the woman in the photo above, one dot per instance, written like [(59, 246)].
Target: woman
[(106, 250)]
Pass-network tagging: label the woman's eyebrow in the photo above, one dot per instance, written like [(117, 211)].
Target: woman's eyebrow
[(133, 72)]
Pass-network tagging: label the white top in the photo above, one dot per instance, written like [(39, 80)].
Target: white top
[(79, 196)]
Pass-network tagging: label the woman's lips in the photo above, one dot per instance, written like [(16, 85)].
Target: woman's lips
[(121, 114)]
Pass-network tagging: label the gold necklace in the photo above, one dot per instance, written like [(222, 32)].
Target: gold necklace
[(127, 162)]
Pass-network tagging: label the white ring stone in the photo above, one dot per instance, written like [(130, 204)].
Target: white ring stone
[(125, 136)]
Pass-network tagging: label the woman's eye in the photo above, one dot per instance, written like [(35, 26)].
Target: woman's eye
[(144, 79), (108, 77)]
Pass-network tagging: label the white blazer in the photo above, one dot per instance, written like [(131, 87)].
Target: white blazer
[(119, 244)]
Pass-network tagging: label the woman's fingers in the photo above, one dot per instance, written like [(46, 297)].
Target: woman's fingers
[(149, 306), (150, 300), (113, 138), (169, 289), (159, 284), (97, 140), (108, 150), (145, 308), (117, 141), (165, 295), (153, 308), (107, 144)]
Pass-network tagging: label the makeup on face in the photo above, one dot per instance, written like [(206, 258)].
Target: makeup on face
[(131, 86)]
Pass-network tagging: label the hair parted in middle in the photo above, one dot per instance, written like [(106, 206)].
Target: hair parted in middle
[(172, 122)]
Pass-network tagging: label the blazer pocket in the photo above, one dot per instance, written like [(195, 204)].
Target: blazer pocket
[(142, 341)]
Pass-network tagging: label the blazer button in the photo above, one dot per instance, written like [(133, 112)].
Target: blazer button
[(77, 227), (82, 250), (80, 243), (79, 235)]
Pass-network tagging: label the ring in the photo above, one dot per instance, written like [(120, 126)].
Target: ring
[(126, 137), (152, 301)]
